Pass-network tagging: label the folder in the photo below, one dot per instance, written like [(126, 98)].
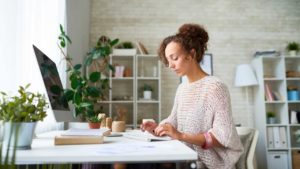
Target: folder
[(270, 137), (283, 141), (276, 137)]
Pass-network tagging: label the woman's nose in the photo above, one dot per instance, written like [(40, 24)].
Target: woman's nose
[(171, 65)]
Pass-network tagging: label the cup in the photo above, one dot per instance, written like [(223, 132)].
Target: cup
[(118, 126)]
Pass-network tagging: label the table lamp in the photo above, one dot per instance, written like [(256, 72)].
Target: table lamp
[(245, 77)]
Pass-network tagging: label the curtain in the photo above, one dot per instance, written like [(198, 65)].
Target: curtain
[(38, 23)]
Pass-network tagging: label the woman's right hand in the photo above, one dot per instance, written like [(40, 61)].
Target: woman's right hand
[(148, 126)]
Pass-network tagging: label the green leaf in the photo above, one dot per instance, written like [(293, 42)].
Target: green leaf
[(77, 67), (75, 83), (114, 42), (69, 94), (69, 40), (94, 77), (55, 89), (85, 104), (61, 29), (93, 91), (88, 61), (77, 97), (111, 67), (62, 43)]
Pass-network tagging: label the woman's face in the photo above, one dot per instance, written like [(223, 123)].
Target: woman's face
[(178, 59)]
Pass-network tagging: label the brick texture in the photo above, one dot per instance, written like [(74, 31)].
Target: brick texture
[(236, 28)]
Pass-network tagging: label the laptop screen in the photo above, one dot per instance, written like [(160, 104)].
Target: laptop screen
[(53, 86)]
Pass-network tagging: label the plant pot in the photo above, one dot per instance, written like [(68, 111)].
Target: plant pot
[(21, 132), (147, 95), (271, 120), (124, 52), (94, 125), (293, 53)]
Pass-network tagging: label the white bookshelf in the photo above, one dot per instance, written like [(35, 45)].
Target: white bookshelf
[(125, 91), (272, 71)]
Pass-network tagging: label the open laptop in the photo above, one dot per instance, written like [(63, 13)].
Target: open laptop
[(53, 87)]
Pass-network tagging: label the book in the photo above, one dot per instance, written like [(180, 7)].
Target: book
[(142, 49), (145, 136), (81, 136), (268, 93)]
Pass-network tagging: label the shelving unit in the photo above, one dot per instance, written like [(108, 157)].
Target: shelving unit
[(126, 94), (271, 73)]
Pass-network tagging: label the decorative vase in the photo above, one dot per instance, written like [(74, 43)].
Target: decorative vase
[(147, 95), (21, 132), (94, 125)]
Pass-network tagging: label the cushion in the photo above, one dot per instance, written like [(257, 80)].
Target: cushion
[(246, 141)]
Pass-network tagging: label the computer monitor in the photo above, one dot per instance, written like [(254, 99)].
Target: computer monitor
[(53, 87)]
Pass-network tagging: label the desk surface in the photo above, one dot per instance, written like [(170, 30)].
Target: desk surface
[(114, 149)]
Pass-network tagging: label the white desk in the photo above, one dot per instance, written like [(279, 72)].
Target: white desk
[(114, 149)]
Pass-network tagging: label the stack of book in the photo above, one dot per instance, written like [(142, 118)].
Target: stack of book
[(81, 136), (271, 95)]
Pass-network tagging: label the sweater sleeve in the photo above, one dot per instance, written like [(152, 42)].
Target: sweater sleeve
[(222, 127), (172, 118)]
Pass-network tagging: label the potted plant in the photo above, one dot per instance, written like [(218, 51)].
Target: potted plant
[(124, 49), (293, 48), (147, 92), (89, 81), (21, 114), (271, 117)]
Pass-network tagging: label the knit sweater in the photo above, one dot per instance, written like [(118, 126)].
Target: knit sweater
[(202, 106)]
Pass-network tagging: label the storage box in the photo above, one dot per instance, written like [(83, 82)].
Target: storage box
[(296, 159), (277, 160)]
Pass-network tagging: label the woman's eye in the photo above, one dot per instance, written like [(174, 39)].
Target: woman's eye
[(175, 58)]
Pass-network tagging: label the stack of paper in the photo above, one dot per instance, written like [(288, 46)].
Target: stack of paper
[(81, 136)]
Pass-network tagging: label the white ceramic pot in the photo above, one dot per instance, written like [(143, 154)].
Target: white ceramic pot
[(293, 53), (22, 132), (147, 95)]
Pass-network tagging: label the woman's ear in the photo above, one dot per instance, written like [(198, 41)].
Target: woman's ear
[(193, 53)]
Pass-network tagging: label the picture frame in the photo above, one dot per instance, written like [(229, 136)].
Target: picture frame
[(206, 64)]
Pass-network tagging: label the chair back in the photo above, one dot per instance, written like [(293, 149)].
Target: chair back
[(252, 134)]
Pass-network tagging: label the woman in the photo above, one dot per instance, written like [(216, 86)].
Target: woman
[(201, 116)]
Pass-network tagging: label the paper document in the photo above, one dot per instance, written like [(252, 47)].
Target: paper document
[(145, 136), (86, 132)]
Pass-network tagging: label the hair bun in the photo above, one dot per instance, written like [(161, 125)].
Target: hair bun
[(194, 31)]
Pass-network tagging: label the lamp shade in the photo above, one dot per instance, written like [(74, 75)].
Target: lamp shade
[(244, 76)]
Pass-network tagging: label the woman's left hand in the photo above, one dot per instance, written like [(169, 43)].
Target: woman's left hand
[(167, 129)]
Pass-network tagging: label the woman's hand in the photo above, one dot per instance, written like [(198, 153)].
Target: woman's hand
[(169, 130), (148, 126)]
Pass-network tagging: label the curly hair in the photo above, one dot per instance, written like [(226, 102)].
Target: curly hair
[(189, 36)]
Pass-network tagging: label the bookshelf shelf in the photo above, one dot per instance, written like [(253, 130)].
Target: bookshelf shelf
[(271, 96), (125, 91)]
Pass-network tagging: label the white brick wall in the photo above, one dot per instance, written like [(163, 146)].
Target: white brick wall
[(236, 28)]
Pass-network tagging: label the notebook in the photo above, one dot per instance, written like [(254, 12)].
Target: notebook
[(81, 136), (144, 136)]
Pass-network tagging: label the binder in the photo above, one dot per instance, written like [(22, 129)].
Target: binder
[(270, 137), (283, 140), (276, 137)]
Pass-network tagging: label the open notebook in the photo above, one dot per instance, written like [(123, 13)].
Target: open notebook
[(144, 136)]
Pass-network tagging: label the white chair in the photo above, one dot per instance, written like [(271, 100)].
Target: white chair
[(244, 131)]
